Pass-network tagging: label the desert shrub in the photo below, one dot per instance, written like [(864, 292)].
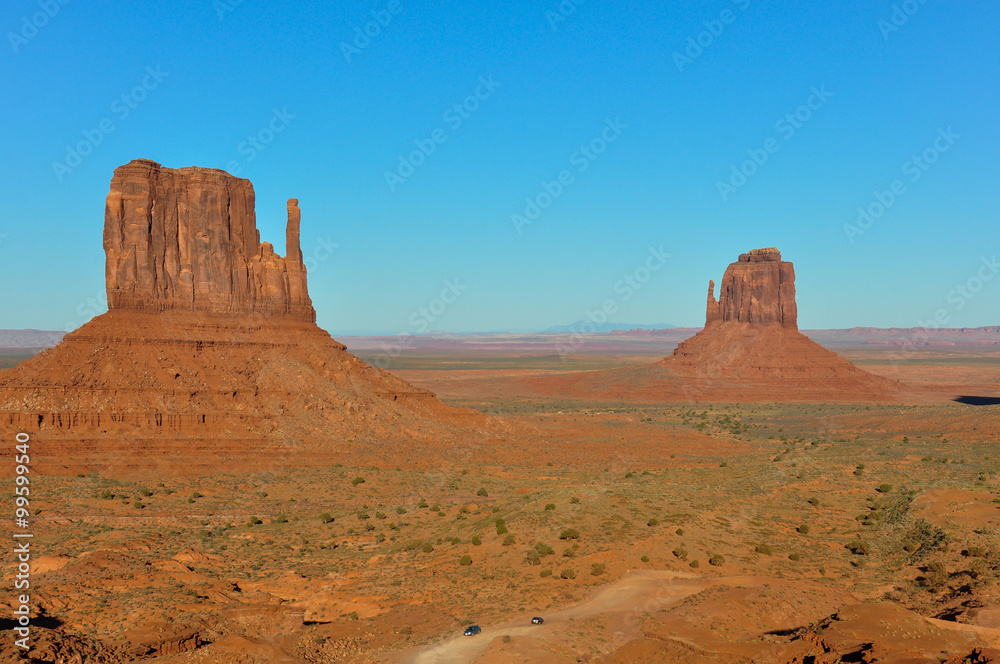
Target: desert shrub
[(501, 529), (860, 470), (363, 516), (507, 541), (550, 506), (358, 480), (482, 492), (326, 517), (412, 545), (884, 488), (476, 540), (544, 549), (569, 533), (975, 552), (803, 529), (574, 500), (380, 515), (567, 574), (435, 507), (597, 569), (532, 557), (254, 521), (456, 540), (146, 492), (568, 552), (422, 503), (427, 547), (465, 560), (724, 464), (653, 522), (196, 495), (353, 615), (764, 549), (814, 501), (545, 572), (138, 505), (280, 519), (793, 556), (695, 564), (858, 547), (107, 495), (629, 475), (400, 510), (717, 560), (680, 552), (644, 559), (680, 531)]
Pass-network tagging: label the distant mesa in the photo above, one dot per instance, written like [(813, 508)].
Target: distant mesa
[(749, 350), (209, 353)]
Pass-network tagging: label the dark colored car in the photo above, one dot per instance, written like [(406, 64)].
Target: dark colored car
[(472, 630), (537, 621)]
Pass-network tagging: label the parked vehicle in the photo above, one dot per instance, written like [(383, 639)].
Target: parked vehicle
[(472, 630), (537, 621)]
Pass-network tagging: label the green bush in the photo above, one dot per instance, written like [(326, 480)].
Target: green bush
[(814, 501), (567, 574), (482, 492), (427, 547), (858, 547), (146, 492), (380, 515), (465, 560), (574, 500), (723, 464), (280, 519), (456, 540), (793, 556), (400, 510), (326, 517), (884, 488), (545, 572), (597, 569), (358, 480), (501, 529), (549, 507), (476, 540), (569, 533), (544, 549), (138, 505), (764, 549), (532, 557), (107, 495), (680, 531), (803, 529), (422, 503), (717, 560), (694, 563), (680, 552), (254, 521), (507, 541), (653, 522)]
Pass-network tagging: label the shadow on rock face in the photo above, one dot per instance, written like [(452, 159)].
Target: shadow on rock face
[(978, 401)]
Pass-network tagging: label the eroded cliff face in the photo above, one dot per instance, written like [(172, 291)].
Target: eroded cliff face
[(758, 289), (187, 238)]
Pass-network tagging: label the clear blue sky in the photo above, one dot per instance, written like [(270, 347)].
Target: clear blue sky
[(221, 70)]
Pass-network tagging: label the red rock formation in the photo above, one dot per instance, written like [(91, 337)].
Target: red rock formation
[(187, 239), (209, 355), (757, 289), (749, 350)]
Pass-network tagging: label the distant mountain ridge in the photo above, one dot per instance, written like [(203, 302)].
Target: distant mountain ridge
[(587, 326), (29, 338)]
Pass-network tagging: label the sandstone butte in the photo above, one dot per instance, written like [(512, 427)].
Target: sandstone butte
[(209, 356), (749, 350)]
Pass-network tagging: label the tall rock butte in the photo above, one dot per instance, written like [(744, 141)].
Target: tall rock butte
[(758, 289), (187, 239), (209, 355)]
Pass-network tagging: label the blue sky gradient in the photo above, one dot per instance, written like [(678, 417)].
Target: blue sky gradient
[(894, 78)]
